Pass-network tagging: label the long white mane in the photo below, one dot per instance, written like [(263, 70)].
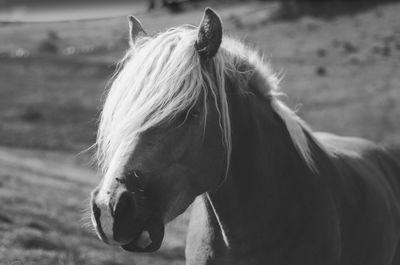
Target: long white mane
[(162, 76)]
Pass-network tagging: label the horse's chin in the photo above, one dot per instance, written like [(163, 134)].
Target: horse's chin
[(149, 239)]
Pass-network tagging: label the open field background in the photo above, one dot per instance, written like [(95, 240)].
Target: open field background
[(342, 73)]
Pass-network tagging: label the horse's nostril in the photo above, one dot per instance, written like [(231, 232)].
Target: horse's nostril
[(125, 205), (124, 217)]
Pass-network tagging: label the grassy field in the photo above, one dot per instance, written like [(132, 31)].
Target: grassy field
[(43, 198), (342, 73)]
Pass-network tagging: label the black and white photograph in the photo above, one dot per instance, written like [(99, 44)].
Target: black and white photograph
[(199, 132)]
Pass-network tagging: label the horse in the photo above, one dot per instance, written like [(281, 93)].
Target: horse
[(193, 115)]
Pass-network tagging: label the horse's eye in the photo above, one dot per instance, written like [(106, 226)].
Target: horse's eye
[(134, 180), (139, 178), (189, 115), (194, 113)]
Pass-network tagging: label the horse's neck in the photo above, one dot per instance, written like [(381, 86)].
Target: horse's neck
[(270, 188)]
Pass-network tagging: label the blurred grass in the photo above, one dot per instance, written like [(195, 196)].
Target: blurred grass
[(49, 103), (292, 9), (343, 71)]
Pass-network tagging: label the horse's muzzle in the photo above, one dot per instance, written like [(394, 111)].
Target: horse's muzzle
[(128, 221), (151, 237)]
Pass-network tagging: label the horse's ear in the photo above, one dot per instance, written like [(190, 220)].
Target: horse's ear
[(210, 34), (135, 29)]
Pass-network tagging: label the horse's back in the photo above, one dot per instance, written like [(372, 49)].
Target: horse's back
[(361, 155), (394, 150), (367, 190), (360, 160), (344, 145)]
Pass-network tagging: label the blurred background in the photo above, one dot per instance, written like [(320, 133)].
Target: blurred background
[(340, 63)]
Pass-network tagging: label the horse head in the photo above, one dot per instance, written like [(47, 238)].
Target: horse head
[(162, 138)]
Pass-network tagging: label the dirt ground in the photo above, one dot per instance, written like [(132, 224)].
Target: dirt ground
[(342, 73)]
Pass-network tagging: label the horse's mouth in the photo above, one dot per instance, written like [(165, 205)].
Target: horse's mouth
[(149, 239)]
